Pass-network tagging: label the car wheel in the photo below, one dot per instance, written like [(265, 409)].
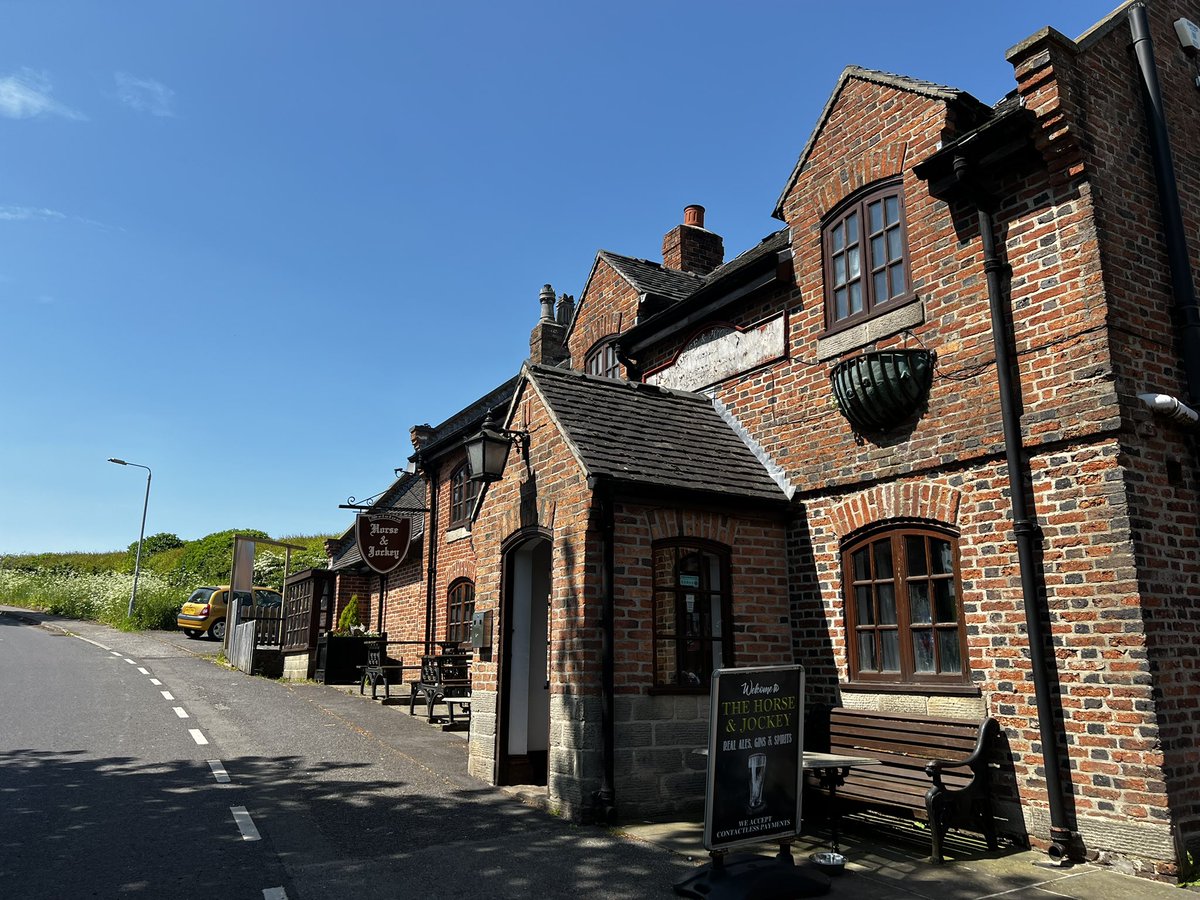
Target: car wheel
[(217, 631), (191, 632)]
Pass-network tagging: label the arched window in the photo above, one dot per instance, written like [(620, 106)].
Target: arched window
[(903, 603), (460, 608), (693, 623), (866, 255), (462, 496), (602, 359)]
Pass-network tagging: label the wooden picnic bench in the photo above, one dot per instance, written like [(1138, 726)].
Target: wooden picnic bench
[(445, 678), (936, 769), (377, 669)]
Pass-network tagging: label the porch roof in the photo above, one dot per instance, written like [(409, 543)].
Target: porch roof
[(641, 435)]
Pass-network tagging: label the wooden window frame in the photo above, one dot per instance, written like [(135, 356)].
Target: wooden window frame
[(901, 581), (463, 492), (675, 593), (858, 205), (460, 609), (604, 350)]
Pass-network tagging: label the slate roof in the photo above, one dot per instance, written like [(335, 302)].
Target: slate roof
[(641, 435), (451, 431), (654, 278)]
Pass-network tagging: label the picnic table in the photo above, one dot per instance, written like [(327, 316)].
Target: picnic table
[(445, 678)]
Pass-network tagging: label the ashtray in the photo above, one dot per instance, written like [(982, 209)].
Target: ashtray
[(829, 863)]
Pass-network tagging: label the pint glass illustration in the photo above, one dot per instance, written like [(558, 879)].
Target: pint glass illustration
[(758, 773)]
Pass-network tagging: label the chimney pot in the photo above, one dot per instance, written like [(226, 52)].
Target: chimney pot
[(694, 215), (547, 301)]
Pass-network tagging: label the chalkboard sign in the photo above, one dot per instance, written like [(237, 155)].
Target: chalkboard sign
[(755, 769)]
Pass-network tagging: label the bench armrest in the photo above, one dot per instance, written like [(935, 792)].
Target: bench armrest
[(977, 762)]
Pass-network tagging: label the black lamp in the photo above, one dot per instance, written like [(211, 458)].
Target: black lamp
[(487, 451)]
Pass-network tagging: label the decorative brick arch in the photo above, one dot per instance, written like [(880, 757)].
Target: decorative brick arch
[(886, 162), (460, 568), (911, 500), (666, 524), (516, 518), (606, 325)]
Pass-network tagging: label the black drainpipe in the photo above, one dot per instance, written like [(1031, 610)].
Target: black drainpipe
[(606, 797), (431, 538), (1168, 199), (1063, 839)]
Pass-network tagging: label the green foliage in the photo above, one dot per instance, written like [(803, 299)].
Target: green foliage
[(97, 585), (349, 620), (210, 559)]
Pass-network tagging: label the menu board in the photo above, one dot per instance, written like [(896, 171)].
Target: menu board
[(755, 768)]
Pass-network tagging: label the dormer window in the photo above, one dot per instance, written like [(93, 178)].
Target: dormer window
[(602, 359), (866, 258)]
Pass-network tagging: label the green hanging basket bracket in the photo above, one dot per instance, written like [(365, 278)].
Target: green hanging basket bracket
[(879, 390)]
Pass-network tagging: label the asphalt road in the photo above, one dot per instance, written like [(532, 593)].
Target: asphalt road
[(109, 791)]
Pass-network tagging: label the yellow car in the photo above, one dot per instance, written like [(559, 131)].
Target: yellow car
[(205, 609)]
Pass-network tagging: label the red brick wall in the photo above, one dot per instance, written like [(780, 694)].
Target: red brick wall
[(608, 306)]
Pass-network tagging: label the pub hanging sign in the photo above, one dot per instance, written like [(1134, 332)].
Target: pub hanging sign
[(755, 768), (382, 541)]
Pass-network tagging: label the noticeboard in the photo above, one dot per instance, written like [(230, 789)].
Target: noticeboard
[(755, 769)]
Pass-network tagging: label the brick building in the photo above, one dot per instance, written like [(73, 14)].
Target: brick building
[(932, 439)]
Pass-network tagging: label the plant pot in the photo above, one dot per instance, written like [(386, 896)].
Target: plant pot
[(879, 390), (340, 658)]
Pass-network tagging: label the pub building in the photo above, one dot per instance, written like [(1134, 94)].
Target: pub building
[(934, 439)]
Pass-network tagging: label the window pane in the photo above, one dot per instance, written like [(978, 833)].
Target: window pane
[(918, 602), (923, 651), (862, 570), (914, 550), (890, 641), (883, 558), (880, 286), (852, 228), (875, 216), (943, 560), (840, 309), (887, 603), (866, 652), (856, 304), (943, 594), (839, 270), (863, 607), (893, 243), (898, 282), (951, 658), (836, 238), (853, 263), (877, 257), (893, 210)]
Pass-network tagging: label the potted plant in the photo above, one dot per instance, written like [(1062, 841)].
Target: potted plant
[(342, 653)]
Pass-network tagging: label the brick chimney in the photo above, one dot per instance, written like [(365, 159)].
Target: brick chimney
[(419, 434), (547, 342), (692, 248)]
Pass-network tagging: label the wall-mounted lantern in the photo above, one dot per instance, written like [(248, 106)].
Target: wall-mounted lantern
[(487, 450), (879, 390)]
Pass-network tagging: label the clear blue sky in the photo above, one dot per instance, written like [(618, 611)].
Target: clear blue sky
[(249, 244)]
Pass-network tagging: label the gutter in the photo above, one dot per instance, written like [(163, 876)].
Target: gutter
[(1178, 257)]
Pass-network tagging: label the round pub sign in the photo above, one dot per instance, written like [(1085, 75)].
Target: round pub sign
[(382, 541)]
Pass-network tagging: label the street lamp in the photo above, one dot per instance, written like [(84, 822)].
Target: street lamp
[(487, 451), (137, 564)]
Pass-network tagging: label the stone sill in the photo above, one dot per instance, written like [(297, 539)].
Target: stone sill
[(891, 322)]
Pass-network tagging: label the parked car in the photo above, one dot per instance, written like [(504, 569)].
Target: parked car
[(207, 607)]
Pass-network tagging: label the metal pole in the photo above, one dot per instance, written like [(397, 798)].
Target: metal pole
[(137, 564)]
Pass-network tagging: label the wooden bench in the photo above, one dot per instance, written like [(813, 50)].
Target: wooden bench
[(377, 669), (937, 769)]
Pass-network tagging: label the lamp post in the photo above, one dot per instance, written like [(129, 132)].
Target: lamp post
[(137, 564)]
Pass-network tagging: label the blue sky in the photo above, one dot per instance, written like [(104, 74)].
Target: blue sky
[(250, 244)]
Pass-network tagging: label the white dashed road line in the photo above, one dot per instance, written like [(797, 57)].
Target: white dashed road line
[(130, 661), (218, 770), (115, 652), (198, 736), (167, 695), (245, 824), (274, 894), (143, 671), (155, 682), (181, 712)]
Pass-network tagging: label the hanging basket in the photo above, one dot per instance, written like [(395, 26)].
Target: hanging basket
[(879, 390)]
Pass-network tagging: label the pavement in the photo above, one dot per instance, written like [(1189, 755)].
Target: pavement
[(883, 860)]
